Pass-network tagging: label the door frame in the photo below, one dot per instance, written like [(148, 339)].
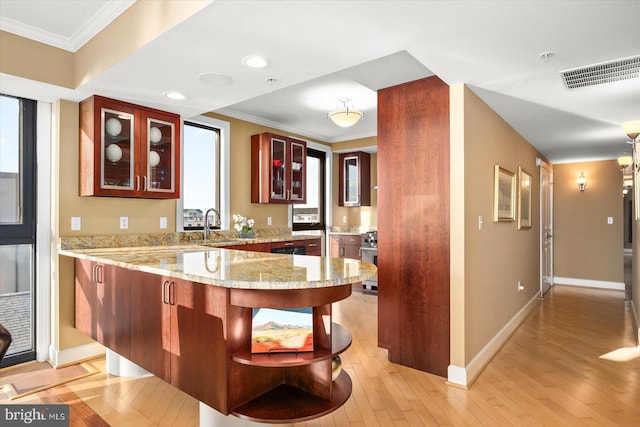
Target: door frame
[(542, 165)]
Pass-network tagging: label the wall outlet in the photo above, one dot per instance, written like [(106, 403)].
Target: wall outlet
[(520, 286), (609, 220), (344, 219), (76, 223), (480, 222), (163, 222), (124, 222), (269, 220)]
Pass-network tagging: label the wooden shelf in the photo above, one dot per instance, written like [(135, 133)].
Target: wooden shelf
[(340, 341), (288, 404)]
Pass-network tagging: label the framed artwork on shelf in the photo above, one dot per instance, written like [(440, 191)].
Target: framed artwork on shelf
[(504, 193), (524, 199)]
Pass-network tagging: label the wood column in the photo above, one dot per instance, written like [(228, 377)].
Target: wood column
[(413, 224)]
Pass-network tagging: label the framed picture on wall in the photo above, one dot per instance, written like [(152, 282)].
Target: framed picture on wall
[(524, 199), (504, 195)]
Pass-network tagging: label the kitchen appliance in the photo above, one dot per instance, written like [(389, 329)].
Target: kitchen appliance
[(369, 251)]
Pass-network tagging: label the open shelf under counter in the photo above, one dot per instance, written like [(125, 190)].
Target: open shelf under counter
[(340, 341), (293, 404)]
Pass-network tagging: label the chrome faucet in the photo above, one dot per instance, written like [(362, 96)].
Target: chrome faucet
[(216, 221)]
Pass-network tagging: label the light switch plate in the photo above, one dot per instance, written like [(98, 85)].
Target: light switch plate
[(269, 220), (610, 220), (124, 222), (76, 223), (163, 222)]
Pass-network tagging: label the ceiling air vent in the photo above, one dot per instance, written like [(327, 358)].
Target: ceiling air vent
[(606, 72)]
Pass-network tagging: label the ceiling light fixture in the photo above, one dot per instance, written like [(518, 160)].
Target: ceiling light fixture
[(255, 61), (345, 116), (176, 96)]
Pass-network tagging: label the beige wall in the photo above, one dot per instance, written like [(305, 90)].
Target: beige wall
[(488, 262), (585, 246), (137, 26)]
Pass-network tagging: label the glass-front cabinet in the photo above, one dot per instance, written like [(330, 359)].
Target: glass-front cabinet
[(128, 150), (278, 169), (355, 179)]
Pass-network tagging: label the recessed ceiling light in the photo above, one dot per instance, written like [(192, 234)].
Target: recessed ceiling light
[(215, 79), (175, 95), (255, 61)]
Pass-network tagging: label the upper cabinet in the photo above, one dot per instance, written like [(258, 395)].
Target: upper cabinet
[(354, 179), (127, 150), (278, 169)]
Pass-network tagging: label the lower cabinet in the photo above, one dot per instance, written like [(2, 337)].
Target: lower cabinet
[(177, 333), (100, 291), (198, 338), (314, 247), (346, 246)]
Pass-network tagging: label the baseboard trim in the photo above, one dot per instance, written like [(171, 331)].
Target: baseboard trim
[(74, 354), (586, 283), (465, 376), (636, 320)]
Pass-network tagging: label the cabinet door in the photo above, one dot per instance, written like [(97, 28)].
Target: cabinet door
[(298, 193), (279, 169), (150, 322), (159, 163), (314, 247), (351, 251), (199, 360), (102, 305)]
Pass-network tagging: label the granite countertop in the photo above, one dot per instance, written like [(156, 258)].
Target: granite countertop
[(232, 268)]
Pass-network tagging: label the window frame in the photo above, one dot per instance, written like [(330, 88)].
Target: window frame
[(224, 173), (322, 224)]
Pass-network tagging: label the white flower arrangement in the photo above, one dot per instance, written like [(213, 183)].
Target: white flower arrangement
[(243, 224)]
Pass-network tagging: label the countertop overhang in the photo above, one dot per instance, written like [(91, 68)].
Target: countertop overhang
[(233, 268)]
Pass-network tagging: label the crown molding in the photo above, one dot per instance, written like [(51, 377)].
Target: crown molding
[(99, 21)]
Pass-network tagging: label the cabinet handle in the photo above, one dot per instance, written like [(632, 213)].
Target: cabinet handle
[(359, 252), (94, 275), (164, 292), (137, 182), (288, 243), (342, 251), (172, 293), (313, 245), (144, 183), (98, 273)]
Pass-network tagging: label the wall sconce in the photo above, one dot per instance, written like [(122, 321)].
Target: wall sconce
[(582, 182)]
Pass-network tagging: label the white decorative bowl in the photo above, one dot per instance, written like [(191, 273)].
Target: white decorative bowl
[(113, 153), (154, 159), (113, 126), (155, 135)]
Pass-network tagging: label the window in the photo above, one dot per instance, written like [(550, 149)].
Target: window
[(17, 225), (205, 173), (310, 216)]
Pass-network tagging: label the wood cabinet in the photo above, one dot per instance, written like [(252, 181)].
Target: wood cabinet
[(278, 169), (100, 291), (127, 150), (198, 338), (314, 247), (346, 246), (354, 179)]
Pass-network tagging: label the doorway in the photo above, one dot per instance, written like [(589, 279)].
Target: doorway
[(546, 227)]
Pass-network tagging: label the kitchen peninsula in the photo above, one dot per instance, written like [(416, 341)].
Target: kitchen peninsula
[(184, 313)]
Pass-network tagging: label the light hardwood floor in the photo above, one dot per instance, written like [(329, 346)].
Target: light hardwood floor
[(566, 365)]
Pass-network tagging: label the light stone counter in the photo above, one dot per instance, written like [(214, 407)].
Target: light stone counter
[(232, 268)]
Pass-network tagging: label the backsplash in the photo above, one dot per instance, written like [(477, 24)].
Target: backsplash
[(161, 239)]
